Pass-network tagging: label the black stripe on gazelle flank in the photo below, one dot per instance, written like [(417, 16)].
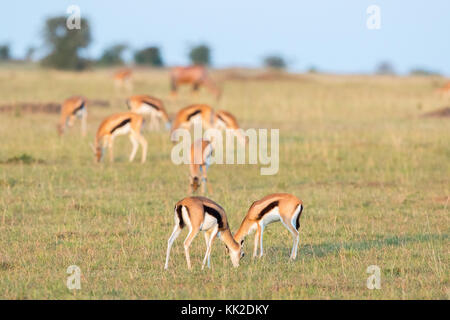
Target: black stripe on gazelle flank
[(193, 114), (124, 122), (180, 215), (222, 119), (79, 108), (297, 222), (213, 212), (151, 105), (268, 209)]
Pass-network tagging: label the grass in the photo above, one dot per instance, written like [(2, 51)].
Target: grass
[(373, 175)]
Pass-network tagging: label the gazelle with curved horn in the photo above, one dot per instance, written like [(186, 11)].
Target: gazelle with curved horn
[(196, 76), (194, 113), (201, 151), (224, 120), (70, 109), (120, 124), (283, 207), (202, 214), (149, 106)]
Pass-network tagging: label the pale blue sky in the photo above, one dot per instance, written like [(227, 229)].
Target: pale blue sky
[(329, 34)]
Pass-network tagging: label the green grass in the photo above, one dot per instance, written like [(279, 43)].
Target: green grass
[(373, 175)]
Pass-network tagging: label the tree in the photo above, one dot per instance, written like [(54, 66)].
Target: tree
[(200, 54), (112, 55), (64, 44), (4, 52), (385, 68), (275, 62), (149, 56)]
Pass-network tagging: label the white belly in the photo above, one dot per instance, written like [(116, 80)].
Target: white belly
[(272, 216), (80, 113), (208, 223), (122, 130), (146, 110)]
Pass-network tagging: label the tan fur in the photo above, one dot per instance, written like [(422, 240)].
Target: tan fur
[(224, 120), (135, 104), (122, 79), (205, 112), (444, 91), (194, 220), (69, 113), (287, 206), (196, 76), (105, 139), (197, 167)]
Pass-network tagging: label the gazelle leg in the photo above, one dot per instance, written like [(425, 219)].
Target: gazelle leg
[(211, 237), (261, 251), (295, 238), (257, 236), (187, 243), (144, 145), (71, 121), (175, 233), (135, 147), (110, 147), (84, 123)]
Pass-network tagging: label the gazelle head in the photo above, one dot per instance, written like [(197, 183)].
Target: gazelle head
[(195, 183), (235, 254), (98, 152)]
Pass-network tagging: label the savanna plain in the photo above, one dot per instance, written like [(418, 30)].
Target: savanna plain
[(373, 173)]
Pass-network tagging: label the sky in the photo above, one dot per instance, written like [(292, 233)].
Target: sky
[(330, 35)]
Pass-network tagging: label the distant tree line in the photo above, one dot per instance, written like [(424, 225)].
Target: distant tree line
[(65, 51)]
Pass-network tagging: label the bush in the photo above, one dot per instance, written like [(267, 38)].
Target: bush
[(275, 62), (149, 56), (200, 55)]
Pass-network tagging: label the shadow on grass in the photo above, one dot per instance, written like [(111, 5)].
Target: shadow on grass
[(324, 249)]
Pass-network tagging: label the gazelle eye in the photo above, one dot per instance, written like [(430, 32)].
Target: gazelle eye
[(242, 242)]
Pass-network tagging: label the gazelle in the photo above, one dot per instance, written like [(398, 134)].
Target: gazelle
[(194, 113), (202, 214), (71, 108), (201, 151), (120, 124), (122, 79), (149, 106), (282, 207), (444, 91), (225, 120), (196, 76)]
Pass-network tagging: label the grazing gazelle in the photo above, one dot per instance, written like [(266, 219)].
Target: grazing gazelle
[(194, 113), (282, 207), (120, 124), (224, 120), (196, 76), (149, 106), (445, 90), (202, 214), (201, 151), (71, 108), (122, 79)]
